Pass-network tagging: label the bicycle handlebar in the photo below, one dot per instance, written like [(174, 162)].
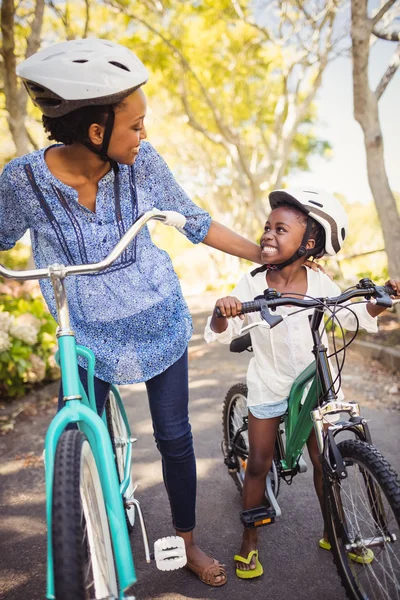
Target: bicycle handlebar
[(272, 299), (168, 217)]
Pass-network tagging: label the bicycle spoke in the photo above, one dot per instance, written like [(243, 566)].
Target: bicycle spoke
[(368, 518)]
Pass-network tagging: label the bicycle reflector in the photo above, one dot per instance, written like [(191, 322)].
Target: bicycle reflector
[(170, 553), (257, 517)]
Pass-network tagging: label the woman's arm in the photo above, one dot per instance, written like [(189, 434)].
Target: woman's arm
[(224, 239)]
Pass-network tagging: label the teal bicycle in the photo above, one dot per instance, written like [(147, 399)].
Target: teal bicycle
[(361, 490), (90, 496)]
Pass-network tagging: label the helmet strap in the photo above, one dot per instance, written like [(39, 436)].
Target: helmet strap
[(108, 129)]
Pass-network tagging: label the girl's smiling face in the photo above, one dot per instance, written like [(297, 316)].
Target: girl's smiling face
[(283, 235)]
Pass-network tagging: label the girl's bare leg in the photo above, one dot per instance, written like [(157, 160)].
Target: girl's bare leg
[(262, 435)]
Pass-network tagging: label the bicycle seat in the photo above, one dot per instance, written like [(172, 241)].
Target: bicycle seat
[(240, 344)]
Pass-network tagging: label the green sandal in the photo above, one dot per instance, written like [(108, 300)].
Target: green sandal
[(364, 559), (251, 573)]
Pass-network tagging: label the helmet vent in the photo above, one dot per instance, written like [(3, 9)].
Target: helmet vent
[(316, 203), (81, 60), (119, 65), (50, 102), (343, 232), (36, 89), (51, 56)]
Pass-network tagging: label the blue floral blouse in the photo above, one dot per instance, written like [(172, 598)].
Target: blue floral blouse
[(133, 315)]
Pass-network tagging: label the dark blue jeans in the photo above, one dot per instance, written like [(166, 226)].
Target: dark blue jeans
[(168, 395)]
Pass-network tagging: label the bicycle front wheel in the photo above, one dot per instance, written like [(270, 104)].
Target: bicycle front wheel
[(363, 518), (82, 552)]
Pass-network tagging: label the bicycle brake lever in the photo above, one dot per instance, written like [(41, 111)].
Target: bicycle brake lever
[(272, 320), (382, 298)]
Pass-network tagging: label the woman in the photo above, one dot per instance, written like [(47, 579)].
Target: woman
[(78, 198)]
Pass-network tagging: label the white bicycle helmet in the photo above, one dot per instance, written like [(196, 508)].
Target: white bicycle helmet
[(77, 73), (322, 207)]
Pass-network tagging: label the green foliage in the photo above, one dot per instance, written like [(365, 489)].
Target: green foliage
[(27, 345), (17, 258)]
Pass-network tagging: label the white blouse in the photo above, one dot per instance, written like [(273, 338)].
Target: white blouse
[(282, 353)]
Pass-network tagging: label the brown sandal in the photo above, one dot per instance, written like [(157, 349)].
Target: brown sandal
[(209, 574)]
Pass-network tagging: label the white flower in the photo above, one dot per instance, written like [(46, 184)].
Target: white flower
[(25, 333), (37, 370), (30, 320), (5, 341), (5, 321)]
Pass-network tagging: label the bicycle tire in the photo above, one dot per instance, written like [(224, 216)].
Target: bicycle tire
[(351, 522), (82, 551), (117, 430), (236, 399)]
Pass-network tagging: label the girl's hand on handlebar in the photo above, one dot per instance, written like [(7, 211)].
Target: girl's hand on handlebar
[(395, 284), (229, 307)]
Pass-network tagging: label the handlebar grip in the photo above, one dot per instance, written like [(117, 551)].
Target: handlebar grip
[(247, 307), (174, 219)]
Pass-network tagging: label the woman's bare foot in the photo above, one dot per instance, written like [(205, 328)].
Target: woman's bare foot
[(249, 543)]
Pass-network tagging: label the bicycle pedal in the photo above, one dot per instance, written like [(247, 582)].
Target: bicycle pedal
[(257, 517), (170, 553)]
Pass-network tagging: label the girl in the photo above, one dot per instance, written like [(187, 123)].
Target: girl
[(78, 197), (303, 224)]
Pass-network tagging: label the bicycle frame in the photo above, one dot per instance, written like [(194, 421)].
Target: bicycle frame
[(301, 418), (82, 410)]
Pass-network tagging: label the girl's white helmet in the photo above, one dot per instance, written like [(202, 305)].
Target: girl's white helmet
[(321, 206), (77, 73)]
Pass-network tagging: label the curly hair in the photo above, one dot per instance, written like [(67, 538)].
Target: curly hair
[(74, 126)]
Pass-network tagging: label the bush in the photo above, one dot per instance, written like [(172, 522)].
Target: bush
[(27, 343)]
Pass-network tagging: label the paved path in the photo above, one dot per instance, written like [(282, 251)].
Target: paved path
[(294, 566)]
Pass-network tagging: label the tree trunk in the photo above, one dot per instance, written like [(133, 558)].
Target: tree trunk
[(383, 196), (15, 95), (366, 113)]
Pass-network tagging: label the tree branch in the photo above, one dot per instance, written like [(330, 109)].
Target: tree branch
[(390, 71), (382, 11), (36, 29), (390, 36), (239, 11), (32, 46), (87, 19), (225, 130)]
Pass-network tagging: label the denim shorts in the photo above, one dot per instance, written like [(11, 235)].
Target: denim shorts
[(268, 410)]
